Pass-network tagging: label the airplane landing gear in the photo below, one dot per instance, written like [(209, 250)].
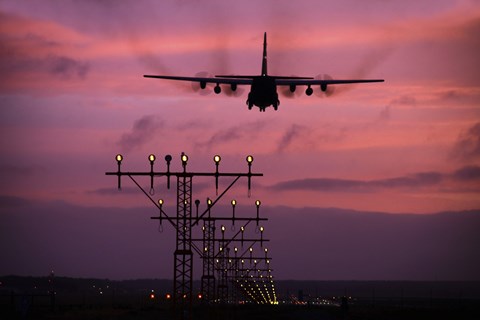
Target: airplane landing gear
[(275, 106)]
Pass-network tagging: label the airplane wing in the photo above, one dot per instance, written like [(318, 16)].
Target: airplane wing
[(246, 80), (308, 82), (214, 80)]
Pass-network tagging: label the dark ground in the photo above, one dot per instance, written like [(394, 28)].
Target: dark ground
[(281, 312), (31, 298)]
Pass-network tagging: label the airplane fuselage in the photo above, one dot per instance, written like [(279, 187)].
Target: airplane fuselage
[(263, 93)]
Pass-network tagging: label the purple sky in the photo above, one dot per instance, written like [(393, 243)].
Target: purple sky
[(73, 96)]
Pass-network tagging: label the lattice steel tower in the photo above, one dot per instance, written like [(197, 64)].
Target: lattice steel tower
[(183, 223)]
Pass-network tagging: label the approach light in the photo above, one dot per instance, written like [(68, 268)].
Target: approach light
[(209, 202), (151, 158), (261, 229), (168, 159), (119, 159), (258, 203), (217, 160), (249, 159), (184, 158), (234, 203), (160, 202)]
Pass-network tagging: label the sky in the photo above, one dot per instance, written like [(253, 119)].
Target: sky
[(72, 96)]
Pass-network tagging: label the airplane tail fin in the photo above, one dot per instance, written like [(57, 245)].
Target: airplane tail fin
[(264, 61)]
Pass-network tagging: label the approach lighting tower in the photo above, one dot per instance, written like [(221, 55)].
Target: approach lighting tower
[(184, 221)]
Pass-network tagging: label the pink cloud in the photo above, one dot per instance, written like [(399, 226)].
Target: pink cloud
[(142, 131), (413, 120), (36, 52)]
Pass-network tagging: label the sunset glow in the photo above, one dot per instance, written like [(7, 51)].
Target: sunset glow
[(73, 97)]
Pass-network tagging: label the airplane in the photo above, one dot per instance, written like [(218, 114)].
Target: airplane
[(263, 87)]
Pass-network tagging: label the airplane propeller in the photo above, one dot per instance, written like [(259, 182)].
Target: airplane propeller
[(329, 90), (207, 88), (290, 92), (197, 86), (233, 90)]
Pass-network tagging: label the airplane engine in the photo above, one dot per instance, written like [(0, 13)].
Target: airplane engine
[(217, 89), (233, 86), (200, 86), (293, 88), (325, 90), (309, 91)]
